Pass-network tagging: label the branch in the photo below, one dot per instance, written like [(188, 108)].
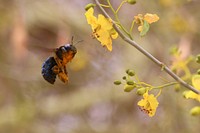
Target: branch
[(147, 54)]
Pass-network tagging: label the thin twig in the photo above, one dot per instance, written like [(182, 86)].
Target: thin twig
[(151, 57)]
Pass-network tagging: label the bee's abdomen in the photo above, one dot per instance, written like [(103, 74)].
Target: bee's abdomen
[(47, 71)]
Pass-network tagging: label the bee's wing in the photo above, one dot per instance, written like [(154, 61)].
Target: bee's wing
[(39, 48), (40, 51)]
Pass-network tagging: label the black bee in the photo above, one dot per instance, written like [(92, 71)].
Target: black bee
[(56, 65)]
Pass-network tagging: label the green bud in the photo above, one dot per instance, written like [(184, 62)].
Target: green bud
[(198, 59), (128, 88), (177, 87), (117, 82), (130, 72), (124, 77), (184, 94), (132, 2), (90, 5), (127, 71), (174, 50), (130, 82), (141, 91), (198, 72), (195, 111)]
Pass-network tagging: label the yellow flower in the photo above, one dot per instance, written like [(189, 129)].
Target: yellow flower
[(196, 84), (144, 21), (102, 28), (148, 104)]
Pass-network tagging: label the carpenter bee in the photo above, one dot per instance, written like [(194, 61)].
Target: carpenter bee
[(56, 65)]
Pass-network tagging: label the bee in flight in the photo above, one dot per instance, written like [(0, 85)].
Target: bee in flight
[(56, 65)]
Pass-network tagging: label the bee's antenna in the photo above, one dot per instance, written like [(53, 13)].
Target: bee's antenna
[(72, 40), (78, 42)]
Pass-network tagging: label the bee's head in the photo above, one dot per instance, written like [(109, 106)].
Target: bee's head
[(69, 47), (66, 50)]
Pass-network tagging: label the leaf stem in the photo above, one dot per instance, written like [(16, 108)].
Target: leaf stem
[(132, 25), (147, 85), (147, 54), (165, 85), (120, 6), (118, 21), (107, 6)]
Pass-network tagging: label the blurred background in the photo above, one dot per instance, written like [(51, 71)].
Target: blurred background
[(90, 102)]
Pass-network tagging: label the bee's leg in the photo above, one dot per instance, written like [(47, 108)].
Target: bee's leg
[(65, 70), (63, 76), (56, 69)]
